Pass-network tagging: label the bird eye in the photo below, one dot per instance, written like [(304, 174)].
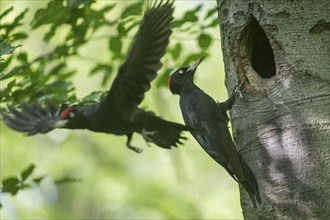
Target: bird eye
[(180, 71)]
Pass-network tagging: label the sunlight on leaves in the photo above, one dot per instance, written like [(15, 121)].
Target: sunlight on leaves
[(6, 48)]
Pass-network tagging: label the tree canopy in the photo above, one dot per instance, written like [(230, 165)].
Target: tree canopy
[(29, 76)]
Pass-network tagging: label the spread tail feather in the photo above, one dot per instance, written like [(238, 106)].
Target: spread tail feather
[(163, 133), (250, 183), (166, 137)]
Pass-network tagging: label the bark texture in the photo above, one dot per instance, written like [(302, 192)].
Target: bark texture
[(282, 125)]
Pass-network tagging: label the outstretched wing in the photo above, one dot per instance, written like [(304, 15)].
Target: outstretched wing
[(143, 60), (31, 119)]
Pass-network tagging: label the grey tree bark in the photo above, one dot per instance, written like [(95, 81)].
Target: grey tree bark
[(282, 125)]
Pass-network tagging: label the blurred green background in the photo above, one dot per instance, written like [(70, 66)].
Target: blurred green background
[(116, 183)]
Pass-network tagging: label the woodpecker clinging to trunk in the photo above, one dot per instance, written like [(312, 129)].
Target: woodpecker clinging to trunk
[(209, 122)]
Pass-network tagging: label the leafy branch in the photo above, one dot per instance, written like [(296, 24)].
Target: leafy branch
[(25, 180)]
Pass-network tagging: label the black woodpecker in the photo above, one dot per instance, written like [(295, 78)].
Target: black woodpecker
[(209, 120), (118, 112)]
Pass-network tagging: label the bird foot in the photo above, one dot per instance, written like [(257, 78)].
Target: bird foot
[(135, 149), (147, 135), (237, 88)]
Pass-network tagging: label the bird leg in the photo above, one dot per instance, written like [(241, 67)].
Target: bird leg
[(128, 144), (147, 135)]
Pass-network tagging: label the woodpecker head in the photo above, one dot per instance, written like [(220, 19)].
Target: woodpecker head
[(182, 76), (70, 117)]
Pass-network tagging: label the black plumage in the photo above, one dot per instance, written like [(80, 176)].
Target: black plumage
[(209, 121), (118, 112)]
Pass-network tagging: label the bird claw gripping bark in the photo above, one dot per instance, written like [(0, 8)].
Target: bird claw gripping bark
[(238, 88)]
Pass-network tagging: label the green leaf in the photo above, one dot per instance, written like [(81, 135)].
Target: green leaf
[(24, 186), (42, 17), (6, 48), (189, 16), (105, 69), (50, 33), (13, 72), (115, 45), (10, 185), (213, 23), (57, 69), (6, 12), (77, 3), (106, 76), (204, 41), (97, 18), (5, 64), (37, 180), (133, 9), (100, 68), (131, 26), (108, 8), (27, 172), (16, 23), (93, 97), (121, 29), (176, 51), (66, 180), (23, 57), (79, 32), (211, 12), (62, 50), (19, 36), (7, 90)]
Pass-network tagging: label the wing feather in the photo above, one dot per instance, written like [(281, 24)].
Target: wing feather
[(143, 60)]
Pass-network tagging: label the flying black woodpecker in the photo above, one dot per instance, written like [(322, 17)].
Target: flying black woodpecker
[(209, 122), (118, 112)]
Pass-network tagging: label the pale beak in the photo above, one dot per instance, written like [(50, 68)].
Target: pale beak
[(193, 66), (60, 123)]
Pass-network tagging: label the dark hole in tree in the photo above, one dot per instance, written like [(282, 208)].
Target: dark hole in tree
[(259, 50)]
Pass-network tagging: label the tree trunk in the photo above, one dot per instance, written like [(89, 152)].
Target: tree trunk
[(282, 125)]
